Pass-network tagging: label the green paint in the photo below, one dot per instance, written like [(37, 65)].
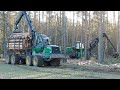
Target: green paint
[(68, 49), (47, 51)]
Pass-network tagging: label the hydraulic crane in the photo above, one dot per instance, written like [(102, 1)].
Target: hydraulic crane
[(31, 48), (94, 43)]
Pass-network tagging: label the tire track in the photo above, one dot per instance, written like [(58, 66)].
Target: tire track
[(57, 73)]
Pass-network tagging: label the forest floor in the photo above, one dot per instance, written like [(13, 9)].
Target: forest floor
[(72, 69)]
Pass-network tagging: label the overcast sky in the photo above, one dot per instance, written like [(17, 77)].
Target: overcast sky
[(110, 16), (69, 15)]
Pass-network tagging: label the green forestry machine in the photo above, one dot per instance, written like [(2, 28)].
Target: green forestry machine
[(31, 48), (75, 51), (95, 42)]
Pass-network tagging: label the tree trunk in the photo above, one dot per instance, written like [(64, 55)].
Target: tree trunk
[(64, 31), (46, 25), (8, 23), (104, 28), (89, 29), (118, 45), (39, 21), (106, 41), (56, 31), (73, 31), (81, 36), (35, 19), (42, 26), (4, 34), (115, 30), (100, 44), (49, 28), (86, 35), (60, 30)]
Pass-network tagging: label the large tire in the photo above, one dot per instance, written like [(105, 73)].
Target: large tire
[(15, 59), (8, 59), (55, 62), (29, 61), (37, 61)]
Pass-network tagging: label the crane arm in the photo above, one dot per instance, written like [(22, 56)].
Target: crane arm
[(104, 35), (24, 13), (31, 30), (18, 20), (94, 43)]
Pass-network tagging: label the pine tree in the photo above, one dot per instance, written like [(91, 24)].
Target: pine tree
[(100, 44)]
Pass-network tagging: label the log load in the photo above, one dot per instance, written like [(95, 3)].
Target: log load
[(18, 41)]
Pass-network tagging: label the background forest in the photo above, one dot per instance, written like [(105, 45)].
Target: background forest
[(66, 27)]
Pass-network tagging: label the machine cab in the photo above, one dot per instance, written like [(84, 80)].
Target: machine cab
[(78, 45), (46, 39), (40, 41), (42, 38)]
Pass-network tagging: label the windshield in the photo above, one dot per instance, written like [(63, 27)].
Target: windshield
[(46, 40)]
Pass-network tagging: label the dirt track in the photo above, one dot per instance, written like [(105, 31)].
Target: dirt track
[(69, 70)]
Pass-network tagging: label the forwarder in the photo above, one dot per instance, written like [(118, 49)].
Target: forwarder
[(31, 48)]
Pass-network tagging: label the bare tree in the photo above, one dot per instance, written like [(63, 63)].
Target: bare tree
[(100, 44), (34, 19), (4, 32), (86, 35), (73, 31), (82, 35), (42, 26), (49, 23), (39, 19), (89, 28), (64, 31), (106, 41), (118, 45), (56, 31)]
